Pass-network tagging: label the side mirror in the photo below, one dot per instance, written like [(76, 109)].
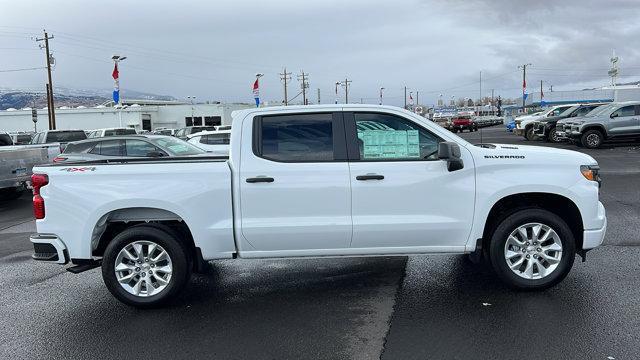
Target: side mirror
[(155, 154), (450, 152), (614, 115)]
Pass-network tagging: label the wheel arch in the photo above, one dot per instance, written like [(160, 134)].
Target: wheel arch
[(560, 205), (595, 127), (115, 221)]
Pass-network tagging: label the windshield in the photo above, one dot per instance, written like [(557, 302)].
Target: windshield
[(568, 112), (65, 136), (599, 110), (177, 147)]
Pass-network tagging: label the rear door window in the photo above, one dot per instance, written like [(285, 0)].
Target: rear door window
[(296, 138), (108, 148)]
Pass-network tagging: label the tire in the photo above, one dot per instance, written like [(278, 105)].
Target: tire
[(592, 139), (548, 273), (529, 135), (553, 136), (11, 193), (178, 264)]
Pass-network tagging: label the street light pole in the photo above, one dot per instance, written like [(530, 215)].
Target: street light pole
[(193, 120), (381, 88)]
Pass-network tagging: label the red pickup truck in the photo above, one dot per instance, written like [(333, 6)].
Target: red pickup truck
[(464, 122)]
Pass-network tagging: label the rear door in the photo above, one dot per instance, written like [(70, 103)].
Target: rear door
[(403, 196), (295, 195)]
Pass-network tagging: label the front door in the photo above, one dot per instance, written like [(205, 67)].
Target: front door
[(623, 121), (294, 184), (403, 197)]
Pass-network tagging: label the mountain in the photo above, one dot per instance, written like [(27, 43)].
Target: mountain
[(17, 99)]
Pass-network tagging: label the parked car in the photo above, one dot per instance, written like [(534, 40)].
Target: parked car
[(16, 164), (164, 131), (127, 146), (5, 139), (21, 138), (524, 124), (463, 122), (614, 121), (184, 132), (214, 142), (307, 181), (545, 128), (58, 136), (111, 132)]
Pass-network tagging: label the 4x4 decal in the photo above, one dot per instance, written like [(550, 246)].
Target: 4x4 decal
[(79, 169)]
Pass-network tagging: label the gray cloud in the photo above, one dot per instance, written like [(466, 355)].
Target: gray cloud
[(212, 49)]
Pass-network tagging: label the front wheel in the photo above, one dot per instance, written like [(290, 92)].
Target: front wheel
[(529, 135), (144, 266), (553, 136), (532, 249), (592, 139)]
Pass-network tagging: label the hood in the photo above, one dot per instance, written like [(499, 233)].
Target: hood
[(529, 154)]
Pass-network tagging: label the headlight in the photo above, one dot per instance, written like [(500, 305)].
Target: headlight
[(591, 173)]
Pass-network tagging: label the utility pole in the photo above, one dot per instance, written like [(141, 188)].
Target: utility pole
[(318, 95), (541, 93), (52, 111), (337, 84), (381, 88), (417, 97), (480, 88), (285, 76), (305, 84), (524, 83), (346, 83), (48, 104)]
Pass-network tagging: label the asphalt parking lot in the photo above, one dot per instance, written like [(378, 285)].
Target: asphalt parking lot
[(431, 307)]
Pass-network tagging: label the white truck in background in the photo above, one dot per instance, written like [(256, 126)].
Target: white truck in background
[(320, 181)]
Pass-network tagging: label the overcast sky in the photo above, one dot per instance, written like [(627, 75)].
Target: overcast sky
[(212, 49)]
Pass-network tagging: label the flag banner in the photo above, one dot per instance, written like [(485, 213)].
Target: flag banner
[(256, 92), (116, 88)]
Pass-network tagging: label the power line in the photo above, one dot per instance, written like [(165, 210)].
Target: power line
[(24, 69)]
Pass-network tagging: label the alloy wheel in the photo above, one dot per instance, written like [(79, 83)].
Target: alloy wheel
[(533, 251), (143, 268)]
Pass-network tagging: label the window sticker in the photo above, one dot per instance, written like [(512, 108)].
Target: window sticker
[(390, 144)]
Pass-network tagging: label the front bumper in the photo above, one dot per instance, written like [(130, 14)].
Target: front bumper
[(49, 248), (594, 238)]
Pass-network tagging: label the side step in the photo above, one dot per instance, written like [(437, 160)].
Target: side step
[(84, 266)]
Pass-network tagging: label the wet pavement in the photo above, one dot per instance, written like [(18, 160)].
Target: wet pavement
[(420, 307)]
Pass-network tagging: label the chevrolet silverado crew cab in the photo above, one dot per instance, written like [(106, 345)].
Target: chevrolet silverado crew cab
[(320, 181)]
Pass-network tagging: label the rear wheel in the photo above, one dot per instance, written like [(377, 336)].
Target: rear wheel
[(532, 249), (144, 266), (592, 139)]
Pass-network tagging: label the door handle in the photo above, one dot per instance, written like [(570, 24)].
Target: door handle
[(260, 179), (369, 177)]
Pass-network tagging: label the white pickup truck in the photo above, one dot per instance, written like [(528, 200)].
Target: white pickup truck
[(316, 181)]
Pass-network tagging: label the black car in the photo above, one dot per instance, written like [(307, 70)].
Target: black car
[(545, 128)]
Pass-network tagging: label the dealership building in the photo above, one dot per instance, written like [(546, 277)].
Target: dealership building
[(137, 114)]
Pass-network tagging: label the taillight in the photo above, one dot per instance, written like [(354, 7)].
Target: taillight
[(59, 159), (37, 182)]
